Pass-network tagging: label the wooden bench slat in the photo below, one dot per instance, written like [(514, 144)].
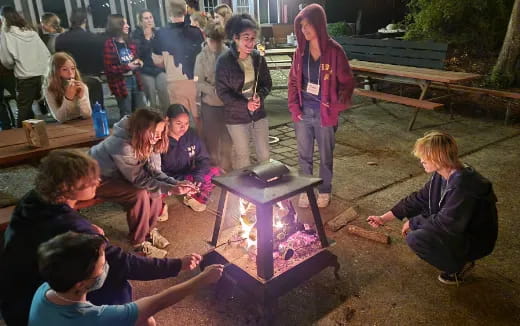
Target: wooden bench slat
[(421, 104)]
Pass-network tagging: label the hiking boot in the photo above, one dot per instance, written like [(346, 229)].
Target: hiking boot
[(323, 200), (194, 204), (164, 214), (147, 249), (303, 201), (456, 278), (158, 240)]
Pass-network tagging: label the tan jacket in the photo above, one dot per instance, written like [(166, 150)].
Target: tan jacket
[(205, 75)]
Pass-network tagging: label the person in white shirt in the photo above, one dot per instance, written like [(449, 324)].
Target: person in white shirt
[(66, 95)]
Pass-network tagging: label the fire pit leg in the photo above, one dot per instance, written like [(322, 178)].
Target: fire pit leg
[(264, 257), (317, 218), (218, 218)]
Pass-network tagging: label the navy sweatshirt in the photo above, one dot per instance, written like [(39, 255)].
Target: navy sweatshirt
[(461, 208), (34, 222), (186, 156)]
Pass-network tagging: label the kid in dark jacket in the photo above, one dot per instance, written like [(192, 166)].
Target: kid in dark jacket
[(320, 87), (65, 177), (187, 158), (452, 220), (243, 82), (122, 66)]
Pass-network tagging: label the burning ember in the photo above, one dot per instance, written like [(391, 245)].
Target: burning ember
[(290, 237)]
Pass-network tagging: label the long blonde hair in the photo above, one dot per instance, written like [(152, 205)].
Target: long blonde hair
[(53, 82), (142, 123), (439, 148)]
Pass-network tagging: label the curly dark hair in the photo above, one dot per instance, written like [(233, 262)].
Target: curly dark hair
[(239, 23)]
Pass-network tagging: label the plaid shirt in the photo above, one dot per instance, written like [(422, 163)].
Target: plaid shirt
[(115, 71)]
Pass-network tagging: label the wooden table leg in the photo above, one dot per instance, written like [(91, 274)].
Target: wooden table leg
[(424, 85), (317, 218), (218, 218), (264, 245)]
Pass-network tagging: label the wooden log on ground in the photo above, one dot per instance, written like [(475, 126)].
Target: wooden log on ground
[(343, 219), (367, 234)]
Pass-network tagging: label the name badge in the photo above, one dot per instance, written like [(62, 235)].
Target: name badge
[(313, 89)]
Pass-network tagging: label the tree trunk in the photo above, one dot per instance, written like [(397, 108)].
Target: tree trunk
[(505, 68)]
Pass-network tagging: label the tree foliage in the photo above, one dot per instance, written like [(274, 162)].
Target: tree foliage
[(476, 24)]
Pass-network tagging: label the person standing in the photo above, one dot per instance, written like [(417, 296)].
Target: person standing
[(87, 50), (223, 13), (154, 78), (175, 48), (215, 134), (122, 66), (22, 49), (452, 220), (320, 87), (65, 93), (243, 82), (49, 30)]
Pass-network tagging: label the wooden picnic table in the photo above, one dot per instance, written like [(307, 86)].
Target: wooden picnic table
[(15, 150), (422, 77), (280, 51)]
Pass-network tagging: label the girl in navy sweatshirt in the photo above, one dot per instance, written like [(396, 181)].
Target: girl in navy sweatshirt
[(187, 158)]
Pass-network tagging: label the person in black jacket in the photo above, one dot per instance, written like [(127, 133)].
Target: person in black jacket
[(452, 220), (87, 49), (66, 177), (153, 77), (243, 82)]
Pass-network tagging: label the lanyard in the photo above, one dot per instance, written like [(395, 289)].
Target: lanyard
[(309, 68)]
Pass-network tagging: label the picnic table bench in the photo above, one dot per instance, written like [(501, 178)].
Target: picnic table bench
[(15, 150), (279, 64)]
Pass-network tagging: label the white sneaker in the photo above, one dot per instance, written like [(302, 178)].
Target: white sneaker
[(303, 201), (323, 200), (148, 250), (194, 204), (164, 214), (158, 240)]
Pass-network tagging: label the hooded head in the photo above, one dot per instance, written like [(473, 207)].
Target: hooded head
[(315, 16)]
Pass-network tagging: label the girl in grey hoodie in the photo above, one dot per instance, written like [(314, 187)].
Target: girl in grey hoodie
[(22, 49)]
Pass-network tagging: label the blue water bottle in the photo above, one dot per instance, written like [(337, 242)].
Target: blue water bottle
[(100, 121)]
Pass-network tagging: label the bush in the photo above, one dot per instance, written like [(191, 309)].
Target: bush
[(339, 29), (477, 24)]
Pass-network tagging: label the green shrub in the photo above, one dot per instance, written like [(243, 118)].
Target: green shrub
[(478, 24), (339, 28)]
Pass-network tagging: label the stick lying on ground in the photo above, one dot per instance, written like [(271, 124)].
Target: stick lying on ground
[(371, 235)]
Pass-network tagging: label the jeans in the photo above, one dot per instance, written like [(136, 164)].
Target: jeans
[(134, 100), (156, 86), (242, 133), (307, 130), (216, 136)]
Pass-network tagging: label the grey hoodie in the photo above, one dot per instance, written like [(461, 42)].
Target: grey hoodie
[(205, 71), (23, 51), (117, 160)]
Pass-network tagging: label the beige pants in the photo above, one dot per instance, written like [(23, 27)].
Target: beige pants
[(184, 92)]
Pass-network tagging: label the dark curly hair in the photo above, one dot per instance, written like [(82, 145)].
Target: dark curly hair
[(239, 23)]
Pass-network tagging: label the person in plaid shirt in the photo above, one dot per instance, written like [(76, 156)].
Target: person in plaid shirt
[(122, 66)]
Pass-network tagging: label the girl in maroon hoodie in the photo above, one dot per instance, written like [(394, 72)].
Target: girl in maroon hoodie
[(320, 87)]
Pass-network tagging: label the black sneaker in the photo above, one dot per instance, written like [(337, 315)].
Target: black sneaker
[(456, 278)]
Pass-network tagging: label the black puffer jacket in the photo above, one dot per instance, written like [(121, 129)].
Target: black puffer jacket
[(144, 50), (463, 208), (230, 81)]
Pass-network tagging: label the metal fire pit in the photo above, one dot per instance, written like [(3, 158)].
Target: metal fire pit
[(262, 281)]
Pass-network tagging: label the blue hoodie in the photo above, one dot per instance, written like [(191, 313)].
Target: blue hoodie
[(35, 221), (186, 156), (116, 159)]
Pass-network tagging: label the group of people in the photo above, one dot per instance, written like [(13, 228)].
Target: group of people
[(58, 267)]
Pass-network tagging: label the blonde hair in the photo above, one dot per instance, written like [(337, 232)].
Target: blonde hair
[(201, 18), (225, 11), (176, 8), (439, 148), (142, 123), (61, 170), (53, 82)]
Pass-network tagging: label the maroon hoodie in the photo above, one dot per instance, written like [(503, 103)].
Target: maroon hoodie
[(336, 79)]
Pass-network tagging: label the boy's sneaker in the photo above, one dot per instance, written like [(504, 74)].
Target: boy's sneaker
[(158, 240), (147, 249), (194, 204), (456, 278), (323, 200), (164, 214), (303, 201)]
